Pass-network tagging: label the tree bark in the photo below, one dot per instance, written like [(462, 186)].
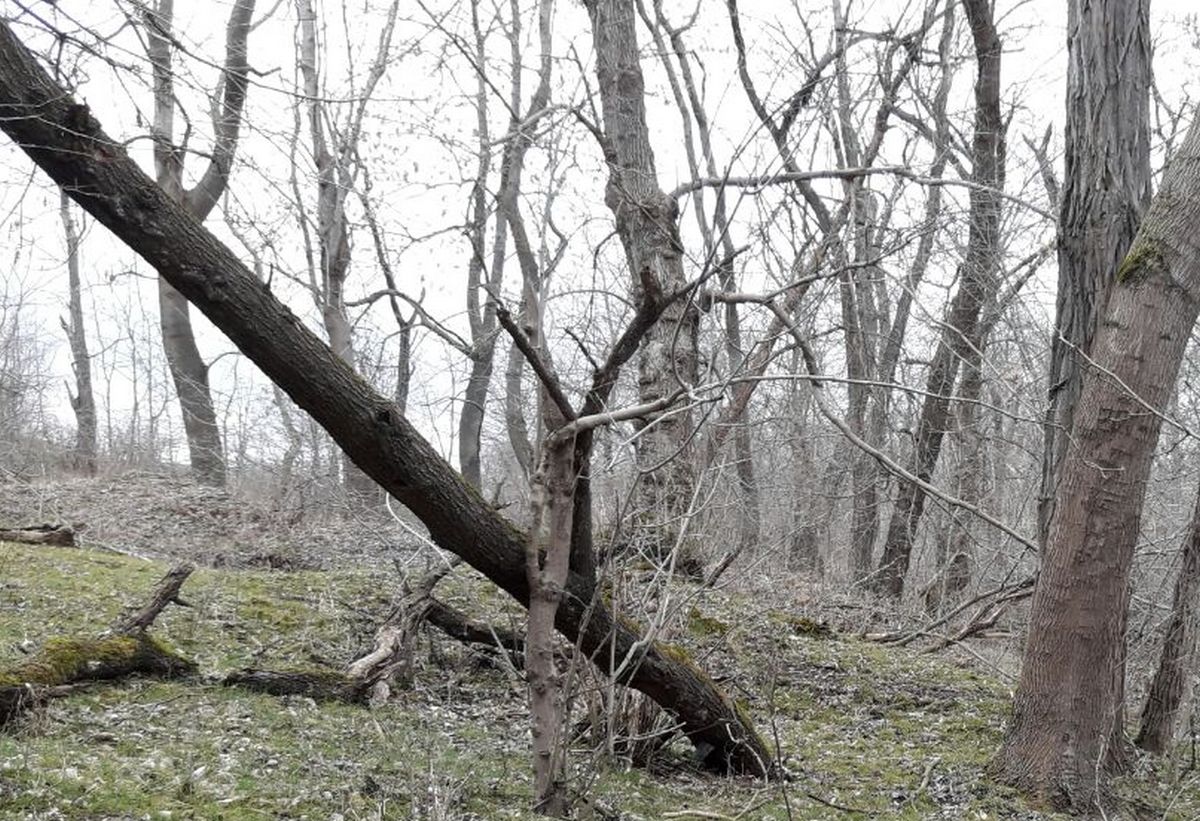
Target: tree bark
[(188, 369), (979, 280), (1106, 189), (83, 401), (1161, 710), (1067, 724), (647, 224), (63, 138)]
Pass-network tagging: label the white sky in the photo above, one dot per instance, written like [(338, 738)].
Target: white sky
[(419, 140)]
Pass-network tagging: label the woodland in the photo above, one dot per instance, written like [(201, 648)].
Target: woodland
[(600, 409)]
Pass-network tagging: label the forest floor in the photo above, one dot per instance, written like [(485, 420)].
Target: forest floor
[(868, 731)]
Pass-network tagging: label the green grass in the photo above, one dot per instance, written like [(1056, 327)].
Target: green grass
[(861, 726)]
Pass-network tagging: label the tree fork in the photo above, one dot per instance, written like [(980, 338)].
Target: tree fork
[(63, 138)]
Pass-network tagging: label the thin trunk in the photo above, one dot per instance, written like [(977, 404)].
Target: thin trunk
[(1160, 714), (978, 283), (867, 531), (83, 401), (334, 182), (1068, 714), (514, 411), (1106, 189)]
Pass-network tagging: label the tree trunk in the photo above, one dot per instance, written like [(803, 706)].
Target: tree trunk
[(63, 138), (979, 280), (334, 182), (83, 401), (647, 223), (188, 369), (889, 356), (1106, 189), (1068, 714), (1161, 710)]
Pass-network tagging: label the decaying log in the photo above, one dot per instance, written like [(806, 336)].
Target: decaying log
[(125, 650), (56, 535), (322, 685), (457, 626)]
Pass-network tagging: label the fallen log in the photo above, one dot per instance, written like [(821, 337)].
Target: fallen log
[(457, 626), (55, 535), (125, 650), (317, 684)]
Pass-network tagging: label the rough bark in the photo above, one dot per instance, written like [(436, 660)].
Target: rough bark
[(83, 400), (1066, 731), (188, 369), (1160, 712), (647, 224), (978, 283), (63, 138), (1105, 191)]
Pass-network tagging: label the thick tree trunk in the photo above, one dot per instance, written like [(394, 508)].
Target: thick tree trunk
[(1106, 189), (1068, 713), (647, 223), (63, 138), (1161, 710), (978, 283), (83, 401)]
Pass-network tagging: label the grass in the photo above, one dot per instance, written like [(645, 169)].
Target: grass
[(863, 727)]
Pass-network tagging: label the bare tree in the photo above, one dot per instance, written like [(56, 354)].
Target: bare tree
[(979, 276), (646, 222), (83, 400), (188, 369), (336, 162)]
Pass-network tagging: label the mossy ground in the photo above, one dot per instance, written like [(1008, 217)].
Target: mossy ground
[(883, 731)]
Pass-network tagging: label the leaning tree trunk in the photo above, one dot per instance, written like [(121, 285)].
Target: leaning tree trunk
[(646, 221), (62, 137), (1068, 713), (1106, 189), (1161, 711), (83, 401), (979, 282)]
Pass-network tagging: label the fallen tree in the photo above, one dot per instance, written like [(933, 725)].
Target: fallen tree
[(125, 650), (65, 140), (56, 535)]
